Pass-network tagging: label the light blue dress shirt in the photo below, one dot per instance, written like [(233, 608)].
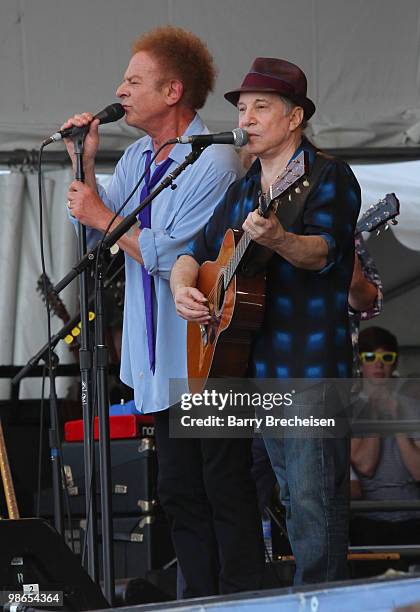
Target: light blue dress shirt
[(177, 215)]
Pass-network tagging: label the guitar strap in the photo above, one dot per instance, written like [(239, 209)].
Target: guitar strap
[(290, 208)]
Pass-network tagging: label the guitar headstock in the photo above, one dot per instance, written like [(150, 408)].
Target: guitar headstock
[(295, 169), (379, 214), (54, 300)]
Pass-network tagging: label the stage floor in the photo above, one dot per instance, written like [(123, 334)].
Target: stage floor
[(376, 595)]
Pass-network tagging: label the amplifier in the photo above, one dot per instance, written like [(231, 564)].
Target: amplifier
[(141, 544), (133, 477)]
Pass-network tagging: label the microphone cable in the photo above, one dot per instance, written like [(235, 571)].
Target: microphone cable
[(50, 362)]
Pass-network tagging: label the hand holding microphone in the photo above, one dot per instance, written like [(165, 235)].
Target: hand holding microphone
[(88, 124), (76, 124), (80, 122)]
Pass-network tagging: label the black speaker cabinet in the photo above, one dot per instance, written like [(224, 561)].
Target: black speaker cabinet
[(33, 553), (133, 477)]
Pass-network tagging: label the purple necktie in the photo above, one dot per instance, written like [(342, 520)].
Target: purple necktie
[(145, 219)]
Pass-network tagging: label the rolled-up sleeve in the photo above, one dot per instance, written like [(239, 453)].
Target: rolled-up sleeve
[(330, 255), (332, 210)]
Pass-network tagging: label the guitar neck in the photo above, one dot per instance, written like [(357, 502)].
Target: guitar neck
[(295, 170), (6, 476), (236, 258)]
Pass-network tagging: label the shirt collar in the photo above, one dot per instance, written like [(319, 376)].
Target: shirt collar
[(305, 145), (180, 151), (255, 170), (308, 147)]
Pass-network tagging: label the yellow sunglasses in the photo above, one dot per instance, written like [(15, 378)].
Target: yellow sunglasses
[(388, 358)]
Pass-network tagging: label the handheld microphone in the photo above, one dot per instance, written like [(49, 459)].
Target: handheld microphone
[(237, 137), (111, 113)]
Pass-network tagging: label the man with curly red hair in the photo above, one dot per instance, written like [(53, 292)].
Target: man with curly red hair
[(205, 486)]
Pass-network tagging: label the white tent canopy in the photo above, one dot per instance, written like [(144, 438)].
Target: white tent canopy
[(361, 59), (58, 57)]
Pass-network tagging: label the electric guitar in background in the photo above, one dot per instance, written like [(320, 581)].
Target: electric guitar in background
[(115, 285), (378, 215), (59, 309)]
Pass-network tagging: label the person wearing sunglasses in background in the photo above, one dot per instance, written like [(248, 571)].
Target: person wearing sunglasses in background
[(388, 466)]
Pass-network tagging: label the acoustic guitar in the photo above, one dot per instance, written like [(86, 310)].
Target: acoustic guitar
[(221, 347)]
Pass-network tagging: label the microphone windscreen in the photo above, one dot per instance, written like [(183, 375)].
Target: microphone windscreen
[(111, 113), (240, 137)]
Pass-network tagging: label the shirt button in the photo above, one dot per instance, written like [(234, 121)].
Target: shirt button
[(141, 374)]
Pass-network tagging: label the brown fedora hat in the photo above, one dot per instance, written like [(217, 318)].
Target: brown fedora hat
[(279, 76)]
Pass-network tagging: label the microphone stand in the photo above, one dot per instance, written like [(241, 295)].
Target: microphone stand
[(54, 444), (86, 260), (101, 362), (85, 360)]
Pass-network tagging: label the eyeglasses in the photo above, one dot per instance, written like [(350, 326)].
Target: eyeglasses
[(388, 358)]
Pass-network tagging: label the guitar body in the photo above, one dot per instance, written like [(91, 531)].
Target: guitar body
[(236, 315)]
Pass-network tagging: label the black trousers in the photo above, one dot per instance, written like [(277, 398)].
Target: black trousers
[(208, 494)]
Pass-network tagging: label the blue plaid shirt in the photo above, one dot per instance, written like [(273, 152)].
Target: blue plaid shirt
[(305, 332)]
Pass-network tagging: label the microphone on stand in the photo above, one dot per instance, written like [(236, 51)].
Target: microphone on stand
[(237, 137), (111, 113)]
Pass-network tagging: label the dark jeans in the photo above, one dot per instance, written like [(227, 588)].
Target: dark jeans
[(207, 492), (313, 474)]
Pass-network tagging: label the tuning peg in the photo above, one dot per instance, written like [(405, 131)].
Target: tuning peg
[(290, 197), (386, 227), (394, 221), (378, 231), (297, 190), (305, 183)]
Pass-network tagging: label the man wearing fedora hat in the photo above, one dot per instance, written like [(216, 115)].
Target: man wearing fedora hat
[(305, 332)]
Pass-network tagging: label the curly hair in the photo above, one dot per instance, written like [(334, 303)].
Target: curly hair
[(181, 55), (373, 338)]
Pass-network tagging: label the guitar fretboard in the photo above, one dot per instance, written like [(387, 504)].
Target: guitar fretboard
[(236, 258)]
